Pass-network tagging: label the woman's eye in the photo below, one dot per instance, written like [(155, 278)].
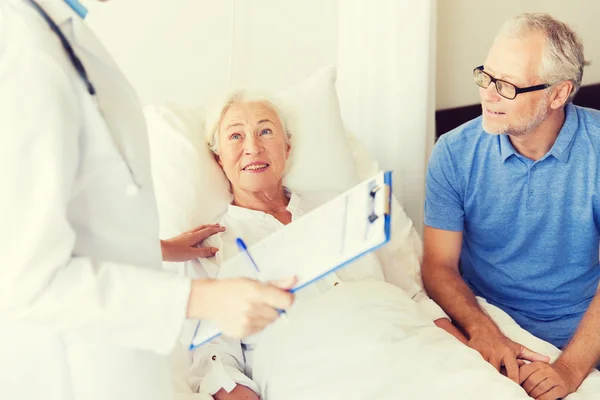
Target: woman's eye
[(266, 132), (235, 136)]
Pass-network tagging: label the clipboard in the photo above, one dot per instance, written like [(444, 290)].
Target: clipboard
[(324, 240)]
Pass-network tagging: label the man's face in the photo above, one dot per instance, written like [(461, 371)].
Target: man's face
[(515, 60)]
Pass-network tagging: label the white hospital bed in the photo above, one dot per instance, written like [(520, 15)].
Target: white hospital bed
[(341, 369), (336, 362), (444, 370)]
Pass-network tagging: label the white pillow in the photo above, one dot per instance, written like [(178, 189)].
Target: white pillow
[(190, 187), (321, 159), (366, 165)]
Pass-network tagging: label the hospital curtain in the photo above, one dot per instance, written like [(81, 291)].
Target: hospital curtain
[(386, 85)]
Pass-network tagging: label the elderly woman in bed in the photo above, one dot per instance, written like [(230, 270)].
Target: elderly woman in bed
[(251, 142)]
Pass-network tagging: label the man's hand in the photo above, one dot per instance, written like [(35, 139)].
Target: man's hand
[(500, 351), (181, 247), (240, 392), (544, 381), (239, 307)]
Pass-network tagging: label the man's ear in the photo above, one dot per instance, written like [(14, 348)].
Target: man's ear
[(561, 94)]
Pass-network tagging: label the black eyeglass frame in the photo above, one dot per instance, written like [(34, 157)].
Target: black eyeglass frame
[(518, 90)]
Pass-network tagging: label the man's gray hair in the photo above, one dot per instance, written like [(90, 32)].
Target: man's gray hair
[(214, 118), (563, 58)]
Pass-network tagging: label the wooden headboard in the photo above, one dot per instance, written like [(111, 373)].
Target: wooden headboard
[(448, 119)]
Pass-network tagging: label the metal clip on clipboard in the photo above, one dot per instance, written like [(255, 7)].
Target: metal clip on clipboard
[(376, 190)]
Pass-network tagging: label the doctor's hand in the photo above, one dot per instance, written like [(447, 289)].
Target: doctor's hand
[(182, 247), (502, 352), (239, 307)]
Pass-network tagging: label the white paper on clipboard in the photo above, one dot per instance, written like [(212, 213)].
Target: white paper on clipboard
[(321, 242)]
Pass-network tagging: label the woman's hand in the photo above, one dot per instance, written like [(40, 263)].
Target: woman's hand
[(181, 247), (449, 327)]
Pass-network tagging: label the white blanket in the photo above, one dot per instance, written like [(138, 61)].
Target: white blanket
[(374, 343)]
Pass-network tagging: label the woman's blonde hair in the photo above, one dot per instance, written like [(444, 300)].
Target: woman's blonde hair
[(214, 118)]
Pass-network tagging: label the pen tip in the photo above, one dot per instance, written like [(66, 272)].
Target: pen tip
[(240, 243)]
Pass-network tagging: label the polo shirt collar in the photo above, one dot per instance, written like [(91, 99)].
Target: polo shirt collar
[(563, 144), (506, 148)]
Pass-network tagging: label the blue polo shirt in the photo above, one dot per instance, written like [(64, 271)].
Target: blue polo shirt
[(530, 229)]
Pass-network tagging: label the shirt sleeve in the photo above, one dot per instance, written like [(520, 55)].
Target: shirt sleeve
[(219, 365), (443, 202), (42, 282)]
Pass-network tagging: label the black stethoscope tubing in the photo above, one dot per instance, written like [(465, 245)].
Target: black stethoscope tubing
[(67, 46)]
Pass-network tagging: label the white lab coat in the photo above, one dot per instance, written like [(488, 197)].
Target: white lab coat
[(85, 312)]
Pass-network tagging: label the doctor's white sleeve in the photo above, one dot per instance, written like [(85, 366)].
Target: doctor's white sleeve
[(401, 261), (219, 365), (42, 284)]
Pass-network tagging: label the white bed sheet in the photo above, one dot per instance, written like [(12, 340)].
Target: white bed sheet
[(321, 352)]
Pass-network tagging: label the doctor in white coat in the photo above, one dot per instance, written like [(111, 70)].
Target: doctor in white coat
[(85, 311)]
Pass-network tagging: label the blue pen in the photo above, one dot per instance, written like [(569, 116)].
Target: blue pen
[(243, 248)]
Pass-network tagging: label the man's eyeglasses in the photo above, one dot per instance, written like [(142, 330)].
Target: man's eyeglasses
[(504, 89)]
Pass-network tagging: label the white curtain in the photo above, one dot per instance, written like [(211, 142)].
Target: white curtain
[(386, 85)]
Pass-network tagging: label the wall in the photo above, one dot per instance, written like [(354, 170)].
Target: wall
[(466, 29), (188, 51), (191, 50)]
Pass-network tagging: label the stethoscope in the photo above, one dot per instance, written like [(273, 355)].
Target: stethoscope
[(82, 12), (78, 8)]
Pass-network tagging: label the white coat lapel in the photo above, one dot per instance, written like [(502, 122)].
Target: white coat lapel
[(116, 99)]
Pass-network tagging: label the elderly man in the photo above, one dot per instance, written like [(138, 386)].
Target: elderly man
[(512, 211)]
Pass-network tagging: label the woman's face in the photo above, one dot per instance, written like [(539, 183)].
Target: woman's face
[(252, 147)]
